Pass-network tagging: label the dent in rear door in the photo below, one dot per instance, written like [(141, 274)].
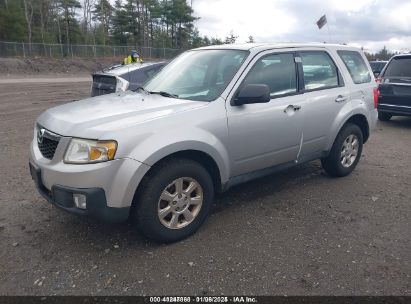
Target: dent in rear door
[(325, 99)]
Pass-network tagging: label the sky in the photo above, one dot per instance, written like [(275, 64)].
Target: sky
[(364, 23)]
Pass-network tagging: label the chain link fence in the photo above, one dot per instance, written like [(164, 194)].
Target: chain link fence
[(31, 50)]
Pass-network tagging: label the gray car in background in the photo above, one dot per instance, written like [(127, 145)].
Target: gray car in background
[(212, 118), (121, 78), (377, 66)]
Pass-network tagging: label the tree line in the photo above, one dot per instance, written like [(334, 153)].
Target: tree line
[(140, 23), (383, 54)]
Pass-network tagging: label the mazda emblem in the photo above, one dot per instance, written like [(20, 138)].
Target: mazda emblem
[(40, 134)]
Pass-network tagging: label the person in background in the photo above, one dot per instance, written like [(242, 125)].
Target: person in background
[(134, 57)]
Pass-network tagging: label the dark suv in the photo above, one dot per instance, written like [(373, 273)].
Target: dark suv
[(395, 88)]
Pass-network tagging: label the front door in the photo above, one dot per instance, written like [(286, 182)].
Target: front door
[(267, 134)]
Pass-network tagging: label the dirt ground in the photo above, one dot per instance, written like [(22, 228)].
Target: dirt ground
[(61, 67), (296, 232)]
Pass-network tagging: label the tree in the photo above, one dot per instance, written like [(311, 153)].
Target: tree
[(103, 13), (87, 17), (12, 22), (119, 24), (250, 39), (383, 54), (206, 41), (216, 41), (231, 38), (68, 12), (141, 23), (28, 13)]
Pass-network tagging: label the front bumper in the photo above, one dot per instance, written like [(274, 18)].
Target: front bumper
[(62, 197), (109, 187)]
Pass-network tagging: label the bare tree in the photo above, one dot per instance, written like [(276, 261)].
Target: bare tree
[(28, 13), (87, 15), (43, 10), (55, 10)]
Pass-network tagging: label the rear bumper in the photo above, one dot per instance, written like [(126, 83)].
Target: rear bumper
[(103, 84), (62, 197), (402, 110)]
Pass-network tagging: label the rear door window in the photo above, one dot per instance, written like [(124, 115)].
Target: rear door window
[(399, 67), (356, 66), (320, 71)]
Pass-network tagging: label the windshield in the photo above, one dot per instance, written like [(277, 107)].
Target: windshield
[(197, 75)]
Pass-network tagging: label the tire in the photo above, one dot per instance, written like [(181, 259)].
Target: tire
[(175, 225), (383, 116), (339, 165)]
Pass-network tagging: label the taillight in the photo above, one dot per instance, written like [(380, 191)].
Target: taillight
[(376, 96)]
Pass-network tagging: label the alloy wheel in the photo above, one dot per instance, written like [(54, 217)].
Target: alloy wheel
[(180, 203), (349, 150)]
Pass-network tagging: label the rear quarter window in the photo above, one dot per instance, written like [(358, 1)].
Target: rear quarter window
[(356, 66)]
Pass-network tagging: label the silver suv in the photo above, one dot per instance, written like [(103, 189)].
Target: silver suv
[(212, 118)]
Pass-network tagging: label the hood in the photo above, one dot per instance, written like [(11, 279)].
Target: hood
[(92, 117)]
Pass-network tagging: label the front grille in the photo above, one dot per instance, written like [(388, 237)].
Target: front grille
[(47, 142)]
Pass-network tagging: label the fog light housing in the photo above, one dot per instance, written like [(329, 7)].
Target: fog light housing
[(80, 200)]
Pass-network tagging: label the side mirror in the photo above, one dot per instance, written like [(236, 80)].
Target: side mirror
[(252, 93)]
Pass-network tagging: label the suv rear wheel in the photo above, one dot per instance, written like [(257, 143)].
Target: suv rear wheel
[(345, 153), (384, 116), (174, 200)]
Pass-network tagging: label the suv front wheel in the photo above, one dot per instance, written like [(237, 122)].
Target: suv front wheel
[(174, 200), (345, 153)]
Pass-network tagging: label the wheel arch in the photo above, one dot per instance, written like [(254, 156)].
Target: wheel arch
[(358, 119), (361, 121), (203, 158)]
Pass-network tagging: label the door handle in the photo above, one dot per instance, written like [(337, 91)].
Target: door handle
[(292, 107), (340, 98)]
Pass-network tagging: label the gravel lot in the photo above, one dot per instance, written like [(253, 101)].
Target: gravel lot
[(297, 232)]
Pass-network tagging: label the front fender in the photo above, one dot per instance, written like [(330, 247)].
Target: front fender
[(160, 145)]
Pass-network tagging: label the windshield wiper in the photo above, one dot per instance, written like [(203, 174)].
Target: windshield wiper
[(165, 94)]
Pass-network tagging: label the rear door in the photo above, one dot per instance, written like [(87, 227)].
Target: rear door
[(395, 88), (325, 94)]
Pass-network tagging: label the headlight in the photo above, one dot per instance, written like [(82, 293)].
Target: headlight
[(83, 151), (122, 85)]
